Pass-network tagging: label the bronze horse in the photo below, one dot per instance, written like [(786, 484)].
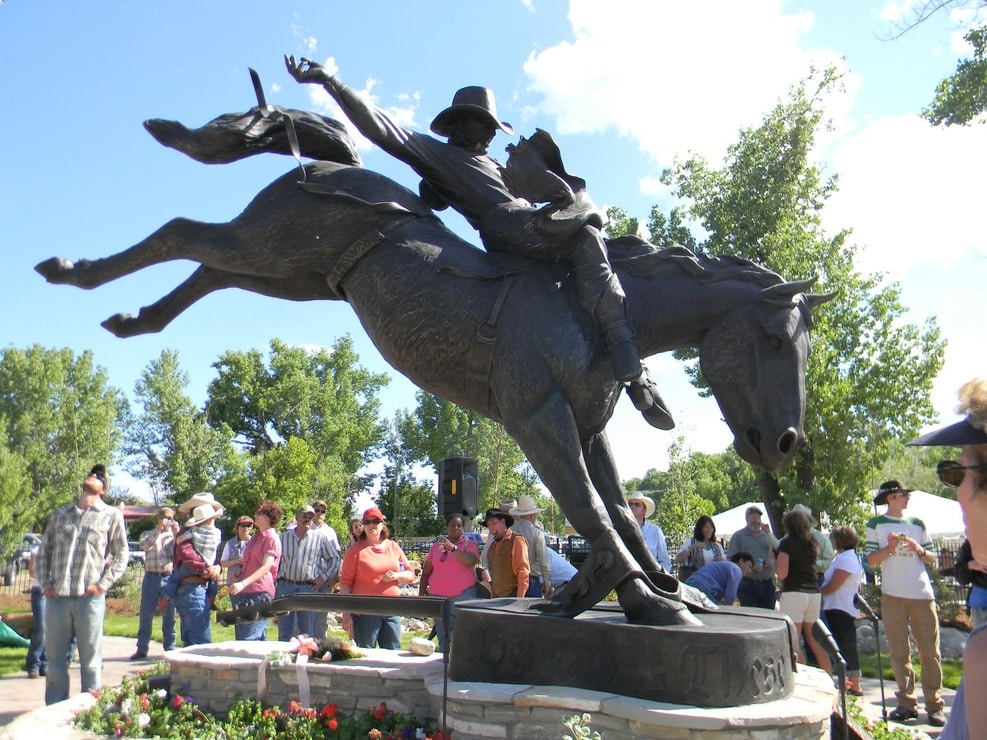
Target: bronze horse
[(505, 337)]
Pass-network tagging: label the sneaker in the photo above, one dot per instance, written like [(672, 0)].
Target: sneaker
[(139, 655), (937, 718), (903, 714)]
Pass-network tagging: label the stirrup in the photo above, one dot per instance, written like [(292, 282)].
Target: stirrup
[(586, 590)]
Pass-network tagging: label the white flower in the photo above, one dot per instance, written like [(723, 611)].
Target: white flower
[(161, 693), (420, 734), (143, 719), (125, 706)]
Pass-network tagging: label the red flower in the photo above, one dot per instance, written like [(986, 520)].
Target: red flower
[(330, 710), (177, 701), (332, 724), (381, 711)]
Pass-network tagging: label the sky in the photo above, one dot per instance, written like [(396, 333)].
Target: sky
[(626, 87)]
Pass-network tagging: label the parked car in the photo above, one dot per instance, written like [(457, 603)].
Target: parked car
[(137, 554), (19, 559), (576, 549)]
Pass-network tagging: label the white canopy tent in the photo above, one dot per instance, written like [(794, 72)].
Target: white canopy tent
[(942, 517)]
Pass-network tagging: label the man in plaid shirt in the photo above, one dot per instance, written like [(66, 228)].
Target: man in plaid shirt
[(159, 549), (83, 553)]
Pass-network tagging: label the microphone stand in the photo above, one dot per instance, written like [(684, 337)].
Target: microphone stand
[(825, 638), (868, 612)]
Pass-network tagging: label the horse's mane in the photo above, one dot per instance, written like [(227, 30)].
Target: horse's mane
[(635, 256)]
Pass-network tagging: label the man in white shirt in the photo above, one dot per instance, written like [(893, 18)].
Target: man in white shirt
[(642, 507)]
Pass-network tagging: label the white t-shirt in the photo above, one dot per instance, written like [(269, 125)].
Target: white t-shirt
[(842, 598), (903, 574)]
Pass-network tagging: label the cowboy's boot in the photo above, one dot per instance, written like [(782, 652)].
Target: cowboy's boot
[(628, 369)]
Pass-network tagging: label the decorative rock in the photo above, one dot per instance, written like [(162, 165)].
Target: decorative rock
[(421, 646)]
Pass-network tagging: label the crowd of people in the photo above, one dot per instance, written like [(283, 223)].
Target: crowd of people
[(805, 575)]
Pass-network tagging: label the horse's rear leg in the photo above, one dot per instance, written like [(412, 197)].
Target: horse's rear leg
[(180, 238), (158, 315)]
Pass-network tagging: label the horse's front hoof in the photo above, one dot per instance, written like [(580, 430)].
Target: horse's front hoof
[(642, 606), (55, 270), (122, 325)]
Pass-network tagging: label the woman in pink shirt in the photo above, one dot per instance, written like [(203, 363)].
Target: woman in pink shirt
[(450, 571), (258, 569), (375, 566)]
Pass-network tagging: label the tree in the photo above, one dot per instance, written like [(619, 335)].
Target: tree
[(61, 417), (870, 373), (15, 488), (961, 98), (301, 403), (440, 429), (170, 442)]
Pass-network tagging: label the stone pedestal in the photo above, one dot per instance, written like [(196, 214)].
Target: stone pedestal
[(733, 658)]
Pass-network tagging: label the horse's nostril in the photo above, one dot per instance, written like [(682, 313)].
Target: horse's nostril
[(754, 437), (787, 441)]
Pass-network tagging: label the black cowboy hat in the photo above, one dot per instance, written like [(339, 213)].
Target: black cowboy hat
[(473, 99), (886, 489), (498, 514)]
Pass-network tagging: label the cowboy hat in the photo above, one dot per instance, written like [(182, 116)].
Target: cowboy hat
[(955, 435), (473, 99), (807, 511), (196, 500), (525, 505), (649, 504), (886, 489), (507, 504), (203, 513), (498, 514)]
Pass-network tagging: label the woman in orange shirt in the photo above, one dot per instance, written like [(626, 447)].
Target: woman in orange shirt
[(375, 566)]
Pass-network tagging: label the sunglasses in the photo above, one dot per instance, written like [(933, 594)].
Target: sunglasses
[(636, 504), (244, 526), (320, 511), (952, 473), (371, 522)]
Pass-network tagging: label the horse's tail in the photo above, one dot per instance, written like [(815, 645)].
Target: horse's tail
[(235, 136)]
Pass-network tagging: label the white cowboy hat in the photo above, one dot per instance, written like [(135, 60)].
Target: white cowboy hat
[(807, 511), (649, 505), (196, 500), (525, 505), (205, 512)]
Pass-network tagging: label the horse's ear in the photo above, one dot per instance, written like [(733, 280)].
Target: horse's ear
[(817, 299)]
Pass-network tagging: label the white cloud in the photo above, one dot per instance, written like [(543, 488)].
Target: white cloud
[(911, 192), (631, 64)]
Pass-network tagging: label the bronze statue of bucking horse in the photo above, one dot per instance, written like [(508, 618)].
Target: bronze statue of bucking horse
[(506, 337)]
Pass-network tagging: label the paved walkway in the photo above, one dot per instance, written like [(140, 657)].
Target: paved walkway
[(19, 694)]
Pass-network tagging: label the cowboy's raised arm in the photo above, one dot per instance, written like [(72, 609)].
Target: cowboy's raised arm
[(371, 122)]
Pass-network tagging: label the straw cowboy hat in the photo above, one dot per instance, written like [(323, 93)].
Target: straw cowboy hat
[(196, 500), (203, 513), (525, 505), (807, 511), (649, 505)]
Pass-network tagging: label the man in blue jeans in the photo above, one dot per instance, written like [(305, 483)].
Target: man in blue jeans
[(83, 553), (158, 545)]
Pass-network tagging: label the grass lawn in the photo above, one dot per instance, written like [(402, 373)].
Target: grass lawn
[(952, 670)]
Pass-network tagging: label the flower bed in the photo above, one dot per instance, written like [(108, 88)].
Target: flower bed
[(134, 709)]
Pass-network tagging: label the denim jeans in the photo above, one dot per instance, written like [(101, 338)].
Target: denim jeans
[(370, 631), (534, 587), (66, 616), (250, 630), (757, 593), (193, 608), (150, 593), (294, 623), (36, 660), (445, 623)]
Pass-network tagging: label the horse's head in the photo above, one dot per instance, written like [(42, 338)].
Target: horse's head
[(754, 359)]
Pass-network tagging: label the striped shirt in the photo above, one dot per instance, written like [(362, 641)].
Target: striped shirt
[(308, 558), (159, 549), (80, 549)]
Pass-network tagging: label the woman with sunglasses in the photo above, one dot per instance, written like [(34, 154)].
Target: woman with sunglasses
[(450, 572), (969, 475), (258, 569), (375, 566)]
